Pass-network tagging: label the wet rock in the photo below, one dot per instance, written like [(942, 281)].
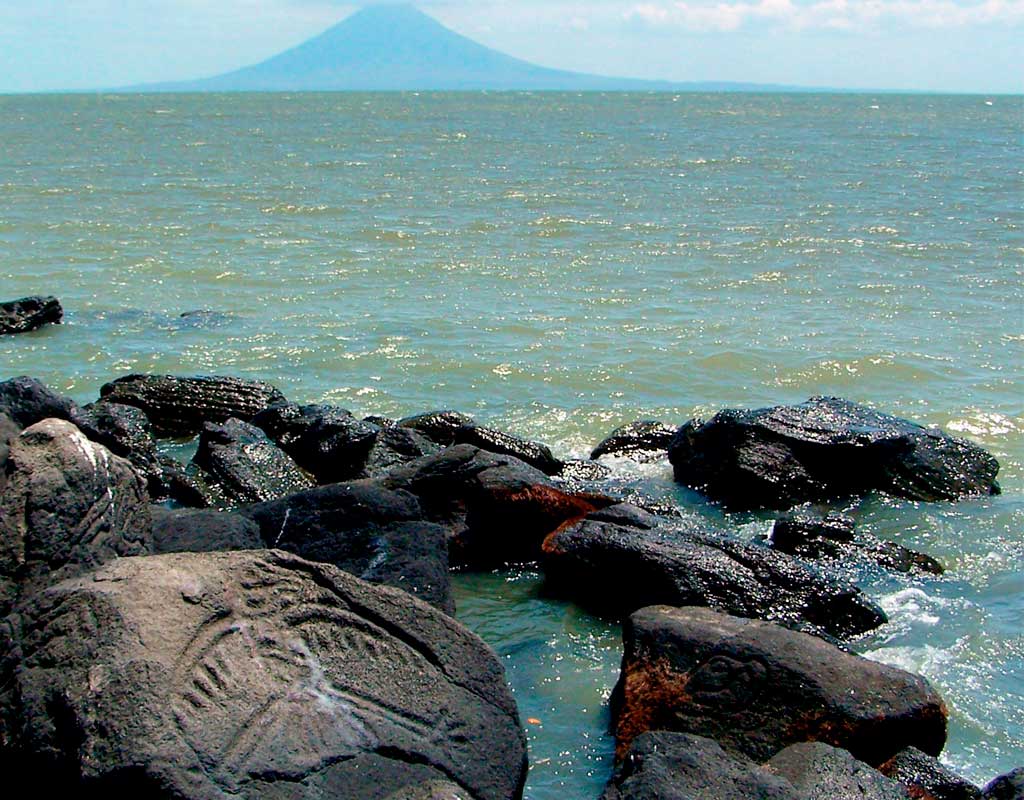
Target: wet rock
[(821, 772), (500, 509), (925, 777), (245, 465), (69, 505), (835, 537), (27, 401), (178, 406), (125, 431), (823, 449), (190, 530), (255, 675), (1006, 787), (621, 558), (663, 765), (176, 484), (379, 421), (326, 441), (576, 471), (494, 441), (642, 440), (756, 688), (438, 426), (365, 529), (394, 446), (28, 314)]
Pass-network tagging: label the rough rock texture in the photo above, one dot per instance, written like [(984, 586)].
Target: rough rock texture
[(393, 446), (756, 688), (499, 508), (245, 466), (643, 440), (492, 440), (1006, 787), (189, 530), (621, 558), (663, 765), (821, 772), (823, 449), (925, 778), (834, 536), (576, 471), (125, 431), (367, 530), (326, 441), (27, 401), (255, 675), (438, 426), (29, 313), (69, 505), (177, 485), (178, 406), (9, 430)]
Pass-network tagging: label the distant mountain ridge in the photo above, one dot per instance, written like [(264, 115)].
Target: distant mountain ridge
[(398, 47)]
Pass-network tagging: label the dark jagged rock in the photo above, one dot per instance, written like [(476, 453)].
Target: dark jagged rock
[(1006, 787), (372, 532), (255, 675), (438, 426), (394, 446), (326, 441), (494, 441), (821, 772), (178, 406), (379, 421), (202, 531), (664, 765), (823, 449), (643, 440), (925, 778), (9, 431), (834, 536), (621, 558), (500, 508), (28, 314), (27, 401), (69, 505), (576, 471), (177, 485), (125, 431), (756, 688), (245, 465)]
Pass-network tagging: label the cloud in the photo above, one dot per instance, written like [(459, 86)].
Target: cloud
[(725, 16)]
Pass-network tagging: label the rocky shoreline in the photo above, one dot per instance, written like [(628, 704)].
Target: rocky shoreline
[(274, 618)]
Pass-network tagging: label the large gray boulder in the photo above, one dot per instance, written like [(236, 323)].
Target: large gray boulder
[(756, 688), (255, 675), (821, 772), (69, 505), (823, 449), (178, 406), (620, 559)]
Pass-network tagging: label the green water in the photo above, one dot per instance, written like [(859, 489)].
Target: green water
[(557, 265)]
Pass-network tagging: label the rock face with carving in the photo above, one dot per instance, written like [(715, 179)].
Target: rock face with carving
[(256, 675)]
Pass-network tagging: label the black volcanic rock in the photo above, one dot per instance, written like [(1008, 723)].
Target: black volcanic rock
[(621, 558), (1006, 787), (643, 440), (927, 778), (501, 443), (178, 406), (190, 530), (824, 449), (821, 772), (438, 426), (28, 401), (29, 313)]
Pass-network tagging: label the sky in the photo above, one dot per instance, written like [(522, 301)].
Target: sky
[(972, 46)]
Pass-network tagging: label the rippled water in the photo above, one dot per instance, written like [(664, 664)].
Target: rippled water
[(559, 264)]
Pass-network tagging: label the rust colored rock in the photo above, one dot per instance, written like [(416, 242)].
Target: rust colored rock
[(756, 688)]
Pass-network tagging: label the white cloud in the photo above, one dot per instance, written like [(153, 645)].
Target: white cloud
[(827, 14)]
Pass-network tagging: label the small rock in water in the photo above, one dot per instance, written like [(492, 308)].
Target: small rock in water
[(28, 314), (643, 440)]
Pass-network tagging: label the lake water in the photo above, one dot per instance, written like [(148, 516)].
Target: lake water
[(559, 264)]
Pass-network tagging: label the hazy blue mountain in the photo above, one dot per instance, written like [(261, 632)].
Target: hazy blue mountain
[(397, 47)]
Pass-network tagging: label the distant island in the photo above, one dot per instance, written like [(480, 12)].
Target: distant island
[(399, 48)]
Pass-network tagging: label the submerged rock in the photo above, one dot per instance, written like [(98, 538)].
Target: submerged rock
[(643, 440), (499, 508), (29, 313), (365, 529), (664, 765), (926, 778), (756, 688), (835, 537), (621, 558), (28, 401), (255, 675), (823, 449), (245, 466), (68, 506), (821, 772), (179, 406)]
